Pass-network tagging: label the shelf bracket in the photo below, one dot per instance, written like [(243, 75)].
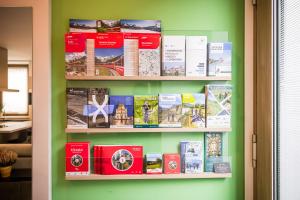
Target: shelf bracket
[(254, 150)]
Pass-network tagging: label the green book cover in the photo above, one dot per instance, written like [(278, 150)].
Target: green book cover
[(145, 111)]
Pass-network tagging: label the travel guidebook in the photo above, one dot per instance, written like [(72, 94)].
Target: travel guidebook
[(213, 150), (77, 158), (218, 106), (145, 111), (149, 55), (169, 110), (154, 163), (219, 59), (121, 159), (140, 26), (122, 111), (131, 54), (109, 54), (173, 56), (75, 54), (191, 157), (196, 55), (76, 100), (94, 26), (98, 109), (193, 110)]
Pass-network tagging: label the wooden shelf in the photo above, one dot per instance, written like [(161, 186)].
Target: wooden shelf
[(204, 175), (150, 78), (145, 130)]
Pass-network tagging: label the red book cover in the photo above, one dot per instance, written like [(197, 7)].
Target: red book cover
[(171, 163), (109, 54), (121, 159), (96, 160), (77, 158), (149, 41)]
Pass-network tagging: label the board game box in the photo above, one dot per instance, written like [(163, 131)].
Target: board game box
[(98, 109), (122, 111), (149, 55), (75, 54), (173, 56), (213, 150), (140, 26), (193, 110), (153, 163), (218, 106), (172, 163), (77, 158), (76, 101), (191, 153), (169, 110), (121, 159), (145, 111), (109, 54), (196, 55), (219, 59)]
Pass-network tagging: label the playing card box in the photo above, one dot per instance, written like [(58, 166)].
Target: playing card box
[(171, 163), (77, 158)]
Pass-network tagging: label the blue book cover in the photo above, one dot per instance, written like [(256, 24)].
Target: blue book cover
[(121, 111), (213, 150), (193, 163), (191, 153)]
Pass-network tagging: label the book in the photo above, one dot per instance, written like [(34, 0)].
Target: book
[(106, 26), (153, 163), (213, 150), (140, 26), (75, 54), (149, 55), (193, 110), (97, 157), (219, 59), (169, 110), (98, 109), (191, 154), (145, 111), (122, 111), (121, 159), (76, 101), (171, 163), (218, 106), (83, 25), (77, 158), (173, 56), (196, 55), (131, 54), (109, 54)]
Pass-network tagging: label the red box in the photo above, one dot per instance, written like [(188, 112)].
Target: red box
[(97, 159), (77, 158), (121, 159), (172, 163)]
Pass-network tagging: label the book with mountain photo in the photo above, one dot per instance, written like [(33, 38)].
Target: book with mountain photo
[(140, 26), (169, 110)]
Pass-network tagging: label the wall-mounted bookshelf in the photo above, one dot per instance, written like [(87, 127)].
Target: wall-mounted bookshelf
[(204, 175), (150, 78), (146, 130)]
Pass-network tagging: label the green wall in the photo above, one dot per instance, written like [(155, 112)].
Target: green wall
[(213, 16)]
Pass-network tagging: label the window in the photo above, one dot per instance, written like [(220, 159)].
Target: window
[(16, 102)]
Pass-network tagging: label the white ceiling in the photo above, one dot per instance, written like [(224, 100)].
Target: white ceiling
[(16, 33)]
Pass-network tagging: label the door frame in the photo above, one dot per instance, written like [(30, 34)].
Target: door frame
[(41, 97)]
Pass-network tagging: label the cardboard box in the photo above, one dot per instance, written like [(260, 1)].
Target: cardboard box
[(172, 163), (218, 106), (196, 55), (213, 150), (169, 110), (75, 54), (219, 59), (76, 102), (121, 159), (173, 56), (77, 158), (98, 109), (109, 54), (122, 111), (153, 163), (149, 55), (145, 111), (193, 110)]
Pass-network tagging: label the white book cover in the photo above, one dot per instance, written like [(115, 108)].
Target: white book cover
[(196, 55), (131, 57), (173, 58)]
